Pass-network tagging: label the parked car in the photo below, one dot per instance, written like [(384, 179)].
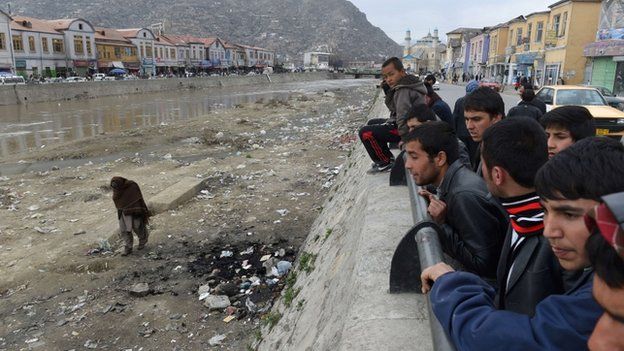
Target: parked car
[(490, 83), (612, 99), (12, 80), (608, 120), (436, 86), (99, 76), (75, 79)]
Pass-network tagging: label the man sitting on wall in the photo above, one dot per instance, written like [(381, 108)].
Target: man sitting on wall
[(402, 92)]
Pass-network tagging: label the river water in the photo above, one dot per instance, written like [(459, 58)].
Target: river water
[(23, 127)]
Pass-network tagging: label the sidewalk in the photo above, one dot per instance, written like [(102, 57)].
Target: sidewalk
[(344, 302)]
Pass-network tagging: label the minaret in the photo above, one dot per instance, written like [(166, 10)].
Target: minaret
[(408, 43)]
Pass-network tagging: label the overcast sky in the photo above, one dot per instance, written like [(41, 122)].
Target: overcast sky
[(396, 16)]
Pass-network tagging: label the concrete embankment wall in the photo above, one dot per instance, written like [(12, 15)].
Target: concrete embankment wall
[(23, 94), (342, 300)]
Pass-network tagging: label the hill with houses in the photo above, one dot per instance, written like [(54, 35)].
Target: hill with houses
[(290, 27)]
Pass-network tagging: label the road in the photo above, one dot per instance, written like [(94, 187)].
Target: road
[(450, 93)]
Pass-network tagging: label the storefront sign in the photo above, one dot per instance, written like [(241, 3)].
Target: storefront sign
[(20, 63), (81, 63), (604, 48)]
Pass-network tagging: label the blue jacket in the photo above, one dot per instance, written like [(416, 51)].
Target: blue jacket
[(464, 305), (443, 111)]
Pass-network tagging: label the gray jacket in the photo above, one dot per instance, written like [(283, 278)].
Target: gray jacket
[(409, 91)]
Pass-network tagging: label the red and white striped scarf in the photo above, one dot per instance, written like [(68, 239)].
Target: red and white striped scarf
[(525, 213)]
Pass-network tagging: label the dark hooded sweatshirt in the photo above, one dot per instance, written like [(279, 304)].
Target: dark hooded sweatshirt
[(128, 198), (409, 91)]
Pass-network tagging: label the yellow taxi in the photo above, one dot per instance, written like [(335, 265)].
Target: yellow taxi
[(608, 120)]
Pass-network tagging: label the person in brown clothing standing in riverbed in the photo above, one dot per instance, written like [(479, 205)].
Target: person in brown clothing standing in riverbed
[(132, 212)]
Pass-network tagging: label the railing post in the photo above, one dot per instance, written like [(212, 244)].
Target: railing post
[(429, 253)]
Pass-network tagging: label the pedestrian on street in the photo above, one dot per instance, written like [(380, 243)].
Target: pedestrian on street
[(528, 107), (132, 212)]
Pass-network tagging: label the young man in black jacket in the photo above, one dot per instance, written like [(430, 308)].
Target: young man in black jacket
[(512, 151), (471, 224), (526, 107)]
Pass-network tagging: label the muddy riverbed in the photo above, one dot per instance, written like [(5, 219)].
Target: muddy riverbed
[(269, 164)]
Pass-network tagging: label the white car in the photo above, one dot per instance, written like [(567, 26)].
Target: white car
[(75, 79), (436, 86), (12, 80), (99, 76)]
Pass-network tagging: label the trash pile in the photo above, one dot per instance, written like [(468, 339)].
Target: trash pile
[(242, 281)]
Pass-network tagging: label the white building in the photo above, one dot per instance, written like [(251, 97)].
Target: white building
[(425, 54), (79, 37), (215, 52), (38, 48), (7, 60), (143, 39), (183, 51), (165, 53), (316, 60)]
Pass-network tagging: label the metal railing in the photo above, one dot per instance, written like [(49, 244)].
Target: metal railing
[(421, 240)]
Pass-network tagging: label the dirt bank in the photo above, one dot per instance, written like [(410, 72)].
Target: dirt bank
[(269, 164)]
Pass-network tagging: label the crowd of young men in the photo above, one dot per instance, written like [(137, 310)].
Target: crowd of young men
[(532, 216)]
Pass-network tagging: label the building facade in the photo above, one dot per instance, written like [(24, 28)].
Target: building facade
[(143, 39), (165, 57), (606, 54), (79, 37), (38, 48), (496, 61), (479, 52), (571, 27), (115, 51), (7, 59), (515, 44)]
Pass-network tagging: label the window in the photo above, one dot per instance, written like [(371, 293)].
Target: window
[(2, 41), (17, 43), (80, 26), (556, 23), (118, 53), (172, 53), (529, 32), (88, 41), (540, 32), (511, 37), (148, 51), (160, 50), (31, 44), (519, 36), (58, 46), (564, 22), (78, 48), (133, 51), (142, 51), (44, 45)]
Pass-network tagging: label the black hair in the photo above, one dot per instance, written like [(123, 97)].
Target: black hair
[(398, 65), (575, 119), (607, 264), (528, 94), (484, 99), (435, 137), (421, 112), (431, 77), (518, 145), (588, 169)]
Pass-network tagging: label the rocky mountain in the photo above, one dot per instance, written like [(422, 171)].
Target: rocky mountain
[(290, 27)]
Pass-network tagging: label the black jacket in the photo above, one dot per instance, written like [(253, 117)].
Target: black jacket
[(537, 102), (459, 124), (535, 274), (525, 109), (475, 223)]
